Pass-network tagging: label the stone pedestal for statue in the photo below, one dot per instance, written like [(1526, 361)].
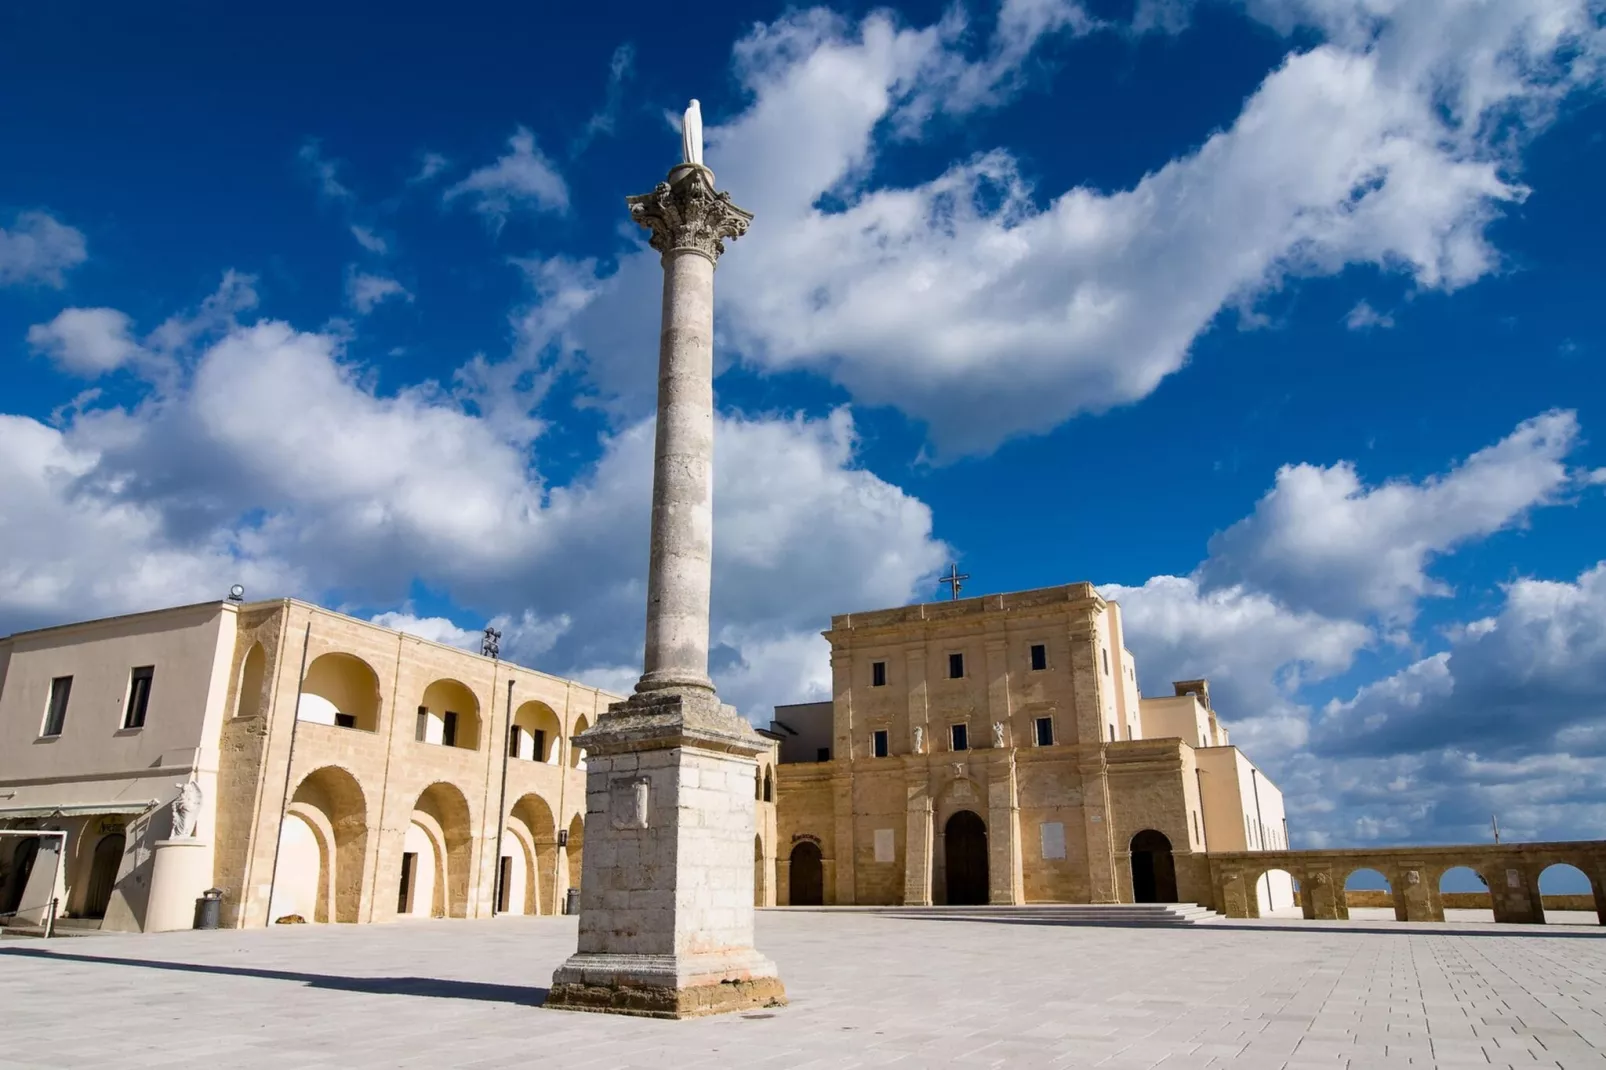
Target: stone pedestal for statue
[(181, 869), (666, 882)]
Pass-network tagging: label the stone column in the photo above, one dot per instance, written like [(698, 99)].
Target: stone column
[(666, 883)]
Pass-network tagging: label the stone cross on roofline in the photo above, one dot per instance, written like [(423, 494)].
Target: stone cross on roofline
[(953, 579)]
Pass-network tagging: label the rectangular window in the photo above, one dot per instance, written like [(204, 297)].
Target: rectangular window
[(1195, 815), (139, 696), (504, 880), (1105, 651), (959, 737), (513, 735), (956, 666), (423, 724), (538, 744), (878, 674), (1045, 731), (345, 720), (878, 742), (449, 729), (404, 894), (823, 754), (1112, 733), (1039, 657), (56, 712)]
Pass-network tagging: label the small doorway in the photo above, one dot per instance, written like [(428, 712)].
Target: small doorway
[(807, 884), (103, 874), (1154, 873), (965, 851), (504, 881), (404, 897), (22, 860)]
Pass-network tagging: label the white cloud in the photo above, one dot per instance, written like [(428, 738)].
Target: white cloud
[(620, 67), (522, 179), (366, 238), (431, 165), (39, 249), (325, 172), (523, 640), (985, 309), (86, 341), (1322, 540), (366, 292), (1364, 317)]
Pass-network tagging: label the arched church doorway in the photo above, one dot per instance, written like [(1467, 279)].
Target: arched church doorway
[(1154, 873), (964, 841), (22, 860), (808, 876), (103, 874)]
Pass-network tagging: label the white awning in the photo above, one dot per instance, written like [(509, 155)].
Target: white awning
[(78, 809)]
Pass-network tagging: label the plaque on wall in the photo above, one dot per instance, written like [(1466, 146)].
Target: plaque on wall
[(884, 847), (627, 802), (1052, 834)]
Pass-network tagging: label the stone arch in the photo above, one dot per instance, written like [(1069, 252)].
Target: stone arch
[(1154, 871), (532, 818), (248, 701), (1565, 886), (449, 714), (332, 842), (442, 813), (1462, 887), (964, 841), (1275, 889), (575, 851), (1360, 896), (105, 864), (340, 689), (806, 879), (577, 753), (537, 735)]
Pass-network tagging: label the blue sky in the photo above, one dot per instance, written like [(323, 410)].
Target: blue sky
[(1277, 319)]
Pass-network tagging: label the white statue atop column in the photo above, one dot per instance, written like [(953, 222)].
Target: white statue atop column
[(666, 885)]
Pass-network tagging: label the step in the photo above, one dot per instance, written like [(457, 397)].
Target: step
[(1113, 914)]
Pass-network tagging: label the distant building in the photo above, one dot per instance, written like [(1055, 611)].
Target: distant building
[(996, 749), (345, 771)]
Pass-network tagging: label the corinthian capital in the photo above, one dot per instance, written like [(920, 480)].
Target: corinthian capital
[(687, 214)]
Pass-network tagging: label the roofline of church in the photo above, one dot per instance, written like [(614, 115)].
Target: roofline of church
[(1076, 593)]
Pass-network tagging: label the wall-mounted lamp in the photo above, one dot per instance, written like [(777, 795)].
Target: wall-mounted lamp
[(563, 837)]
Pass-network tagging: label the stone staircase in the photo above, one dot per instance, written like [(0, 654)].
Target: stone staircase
[(1136, 915)]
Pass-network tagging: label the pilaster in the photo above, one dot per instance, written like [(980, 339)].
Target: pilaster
[(1005, 879), (918, 833)]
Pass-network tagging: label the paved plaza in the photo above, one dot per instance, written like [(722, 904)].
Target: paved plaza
[(867, 989)]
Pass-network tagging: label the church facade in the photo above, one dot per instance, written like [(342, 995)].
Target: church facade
[(997, 750)]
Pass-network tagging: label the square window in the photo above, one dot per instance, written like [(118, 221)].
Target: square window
[(1039, 657), (56, 712), (1045, 731), (139, 696), (878, 742), (345, 720), (823, 754), (956, 666), (959, 737), (878, 674)]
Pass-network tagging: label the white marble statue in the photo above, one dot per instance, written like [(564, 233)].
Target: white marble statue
[(186, 811), (691, 134), (920, 740), (998, 733)]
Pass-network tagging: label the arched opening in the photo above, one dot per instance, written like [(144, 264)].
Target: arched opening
[(760, 884), (1274, 892), (537, 734), (964, 840), (1368, 894), (342, 690), (577, 753), (807, 881), (576, 849), (532, 818), (1464, 895), (449, 714), (322, 846), (1567, 897), (103, 869), (515, 872), (248, 703), (23, 857), (1154, 871), (769, 785), (420, 871), (442, 817)]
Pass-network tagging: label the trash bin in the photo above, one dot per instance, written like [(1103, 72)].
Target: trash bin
[(571, 902), (209, 909)]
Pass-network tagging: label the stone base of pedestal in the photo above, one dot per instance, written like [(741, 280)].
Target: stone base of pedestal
[(180, 871), (666, 986), (666, 888)]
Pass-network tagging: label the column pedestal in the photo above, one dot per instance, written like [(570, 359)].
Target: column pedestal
[(666, 885), (180, 871)]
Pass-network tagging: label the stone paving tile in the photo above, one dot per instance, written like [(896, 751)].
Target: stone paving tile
[(867, 991)]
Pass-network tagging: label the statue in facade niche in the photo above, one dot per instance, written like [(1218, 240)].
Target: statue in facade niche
[(920, 740), (998, 734), (186, 811)]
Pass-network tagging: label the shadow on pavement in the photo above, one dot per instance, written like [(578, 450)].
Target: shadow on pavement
[(432, 987), (1404, 929)]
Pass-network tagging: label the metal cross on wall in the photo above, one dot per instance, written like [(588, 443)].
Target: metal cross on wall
[(953, 579)]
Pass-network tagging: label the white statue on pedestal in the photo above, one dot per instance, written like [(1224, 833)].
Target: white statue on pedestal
[(186, 811), (691, 135), (920, 740), (998, 733)]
